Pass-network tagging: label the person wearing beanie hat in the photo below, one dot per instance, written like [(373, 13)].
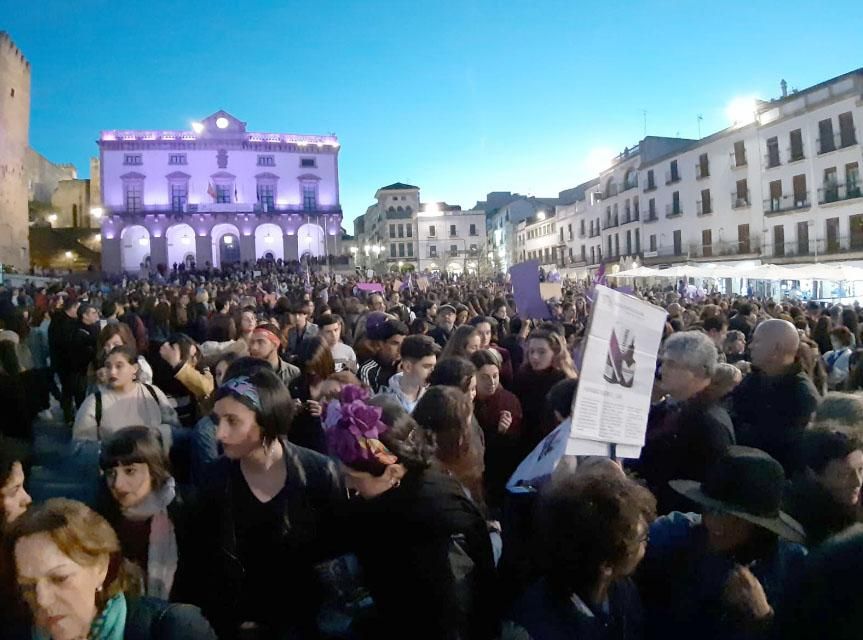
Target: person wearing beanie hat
[(445, 318)]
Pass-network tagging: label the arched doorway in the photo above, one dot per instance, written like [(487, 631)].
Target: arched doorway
[(226, 245), (269, 241), (180, 240), (135, 247), (310, 240)]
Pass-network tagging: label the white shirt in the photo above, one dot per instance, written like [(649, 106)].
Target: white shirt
[(137, 409), (344, 357)]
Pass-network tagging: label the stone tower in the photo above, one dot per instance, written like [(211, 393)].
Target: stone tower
[(14, 140)]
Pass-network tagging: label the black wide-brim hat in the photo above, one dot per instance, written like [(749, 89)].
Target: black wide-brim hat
[(746, 483)]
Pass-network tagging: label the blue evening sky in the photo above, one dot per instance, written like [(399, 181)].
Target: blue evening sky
[(458, 97)]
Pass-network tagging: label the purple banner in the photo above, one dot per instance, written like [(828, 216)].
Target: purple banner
[(370, 286), (525, 290)]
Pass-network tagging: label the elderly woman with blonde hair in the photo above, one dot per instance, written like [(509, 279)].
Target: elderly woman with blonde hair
[(70, 571)]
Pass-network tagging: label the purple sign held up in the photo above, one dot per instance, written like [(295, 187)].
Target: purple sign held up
[(525, 290), (370, 287)]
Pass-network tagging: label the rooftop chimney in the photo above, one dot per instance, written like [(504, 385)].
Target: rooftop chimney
[(784, 86)]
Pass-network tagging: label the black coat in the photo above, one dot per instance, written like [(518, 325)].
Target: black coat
[(813, 507), (427, 558), (148, 619), (313, 499), (682, 442), (190, 577), (546, 616), (771, 413)]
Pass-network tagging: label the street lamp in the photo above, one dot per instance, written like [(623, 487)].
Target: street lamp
[(96, 212)]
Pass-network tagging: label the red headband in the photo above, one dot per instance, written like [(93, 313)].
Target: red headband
[(269, 334)]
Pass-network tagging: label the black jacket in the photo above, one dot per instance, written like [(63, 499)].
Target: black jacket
[(151, 619), (440, 335), (313, 499), (682, 442), (148, 619), (434, 537), (60, 332), (813, 507), (191, 576), (771, 413)]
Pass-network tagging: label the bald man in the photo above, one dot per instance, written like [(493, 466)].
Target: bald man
[(774, 403)]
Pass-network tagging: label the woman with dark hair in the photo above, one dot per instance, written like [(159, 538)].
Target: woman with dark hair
[(498, 413), (268, 512), (447, 412), (117, 335), (124, 402), (147, 513), (437, 536), (592, 536), (14, 500), (821, 333), (547, 361), (315, 361), (463, 342), (825, 498), (850, 321), (455, 372), (71, 573)]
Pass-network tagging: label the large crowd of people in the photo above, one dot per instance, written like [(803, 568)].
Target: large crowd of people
[(260, 453)]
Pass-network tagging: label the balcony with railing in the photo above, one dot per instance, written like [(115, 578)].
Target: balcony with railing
[(671, 177), (650, 186), (673, 210), (786, 203), (610, 224), (740, 200), (831, 193), (839, 140), (704, 207), (702, 170), (738, 160), (651, 217)]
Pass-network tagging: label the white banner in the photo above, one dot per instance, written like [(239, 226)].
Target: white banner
[(617, 375)]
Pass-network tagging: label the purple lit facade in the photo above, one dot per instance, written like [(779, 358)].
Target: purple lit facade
[(218, 194)]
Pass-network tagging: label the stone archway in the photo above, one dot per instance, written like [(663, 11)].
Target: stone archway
[(134, 247), (269, 240), (311, 240), (180, 240), (226, 245)]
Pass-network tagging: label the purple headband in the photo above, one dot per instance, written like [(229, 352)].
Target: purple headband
[(243, 389)]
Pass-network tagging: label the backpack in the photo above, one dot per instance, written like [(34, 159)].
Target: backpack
[(98, 394)]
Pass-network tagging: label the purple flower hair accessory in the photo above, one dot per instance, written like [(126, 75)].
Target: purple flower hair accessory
[(354, 429)]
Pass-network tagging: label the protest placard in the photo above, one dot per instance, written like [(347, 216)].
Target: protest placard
[(525, 290), (617, 375), (549, 290)]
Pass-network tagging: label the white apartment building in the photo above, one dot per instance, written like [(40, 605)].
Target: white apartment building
[(502, 223), (785, 187), (450, 239), (399, 230), (538, 238)]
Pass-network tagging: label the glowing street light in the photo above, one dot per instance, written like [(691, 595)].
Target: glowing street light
[(197, 127), (540, 215), (96, 212), (69, 255), (52, 218)]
